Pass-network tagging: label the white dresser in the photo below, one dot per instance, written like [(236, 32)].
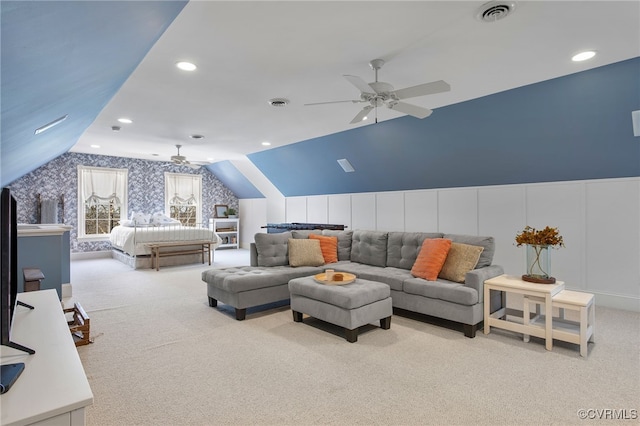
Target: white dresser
[(53, 388)]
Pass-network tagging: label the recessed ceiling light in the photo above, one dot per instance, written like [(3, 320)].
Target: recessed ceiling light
[(95, 146), (186, 66), (583, 56), (196, 136), (125, 120), (266, 143)]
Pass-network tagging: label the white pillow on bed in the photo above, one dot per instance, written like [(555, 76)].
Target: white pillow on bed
[(127, 223), (160, 219), (140, 218)]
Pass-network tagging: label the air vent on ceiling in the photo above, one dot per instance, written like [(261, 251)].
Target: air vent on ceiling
[(278, 102), (495, 10)]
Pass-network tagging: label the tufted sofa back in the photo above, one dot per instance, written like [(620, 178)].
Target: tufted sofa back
[(403, 247)]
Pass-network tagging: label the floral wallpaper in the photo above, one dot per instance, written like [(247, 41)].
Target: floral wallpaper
[(58, 179)]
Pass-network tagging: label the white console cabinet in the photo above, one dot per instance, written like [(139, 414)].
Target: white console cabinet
[(228, 229), (53, 388)]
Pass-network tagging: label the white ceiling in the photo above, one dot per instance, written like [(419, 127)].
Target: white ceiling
[(250, 52)]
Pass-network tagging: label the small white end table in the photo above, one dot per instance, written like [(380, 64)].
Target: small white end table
[(513, 284)]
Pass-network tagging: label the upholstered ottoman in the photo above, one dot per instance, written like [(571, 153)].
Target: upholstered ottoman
[(246, 286), (350, 306)]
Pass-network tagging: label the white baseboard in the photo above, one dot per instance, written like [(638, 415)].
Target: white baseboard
[(626, 303), (66, 291), (91, 255)]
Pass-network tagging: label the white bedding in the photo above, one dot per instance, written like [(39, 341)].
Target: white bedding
[(133, 240)]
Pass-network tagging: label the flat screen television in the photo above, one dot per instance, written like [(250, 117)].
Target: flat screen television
[(9, 266)]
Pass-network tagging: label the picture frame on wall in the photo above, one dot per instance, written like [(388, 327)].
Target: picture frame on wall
[(220, 210)]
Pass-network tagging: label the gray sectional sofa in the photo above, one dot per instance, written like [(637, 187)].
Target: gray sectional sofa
[(386, 257)]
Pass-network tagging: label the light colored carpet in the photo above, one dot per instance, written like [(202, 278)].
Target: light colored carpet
[(162, 356)]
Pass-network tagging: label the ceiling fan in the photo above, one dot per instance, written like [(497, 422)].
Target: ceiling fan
[(181, 160), (378, 93)]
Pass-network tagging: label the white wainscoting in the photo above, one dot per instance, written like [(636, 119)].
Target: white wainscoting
[(598, 219)]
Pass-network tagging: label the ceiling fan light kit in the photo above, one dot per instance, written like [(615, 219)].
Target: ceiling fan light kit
[(380, 93)]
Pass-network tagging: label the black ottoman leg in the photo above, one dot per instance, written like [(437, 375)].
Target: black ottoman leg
[(297, 316), (351, 335), (385, 323), (213, 302), (241, 314)]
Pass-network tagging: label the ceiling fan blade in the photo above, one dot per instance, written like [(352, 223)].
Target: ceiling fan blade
[(360, 84), (423, 89), (413, 110), (362, 114), (335, 102)]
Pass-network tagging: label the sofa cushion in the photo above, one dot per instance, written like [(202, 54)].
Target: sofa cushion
[(486, 257), (403, 247), (431, 258), (344, 242), (304, 233), (247, 278), (329, 247), (443, 290), (273, 249), (461, 259), (305, 252), (369, 247)]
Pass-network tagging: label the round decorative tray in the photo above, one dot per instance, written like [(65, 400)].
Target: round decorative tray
[(347, 278)]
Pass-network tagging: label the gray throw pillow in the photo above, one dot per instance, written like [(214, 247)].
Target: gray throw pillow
[(273, 249)]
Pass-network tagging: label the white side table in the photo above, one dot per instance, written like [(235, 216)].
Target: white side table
[(579, 332), (513, 284)]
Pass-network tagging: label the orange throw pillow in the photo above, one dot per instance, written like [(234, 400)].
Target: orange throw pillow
[(329, 247), (431, 258)]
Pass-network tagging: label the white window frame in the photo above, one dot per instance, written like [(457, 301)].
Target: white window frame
[(194, 181), (120, 183)]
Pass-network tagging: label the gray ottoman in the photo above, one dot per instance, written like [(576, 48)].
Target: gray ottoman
[(350, 306)]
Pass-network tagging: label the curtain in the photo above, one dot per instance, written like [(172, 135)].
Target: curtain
[(102, 185), (183, 189)]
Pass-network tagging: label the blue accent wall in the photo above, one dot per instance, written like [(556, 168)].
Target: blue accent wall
[(67, 57), (233, 179), (569, 128)]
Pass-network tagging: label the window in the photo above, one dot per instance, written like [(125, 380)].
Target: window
[(102, 201), (183, 198)]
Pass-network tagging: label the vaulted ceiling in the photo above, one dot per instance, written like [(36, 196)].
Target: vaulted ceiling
[(99, 61)]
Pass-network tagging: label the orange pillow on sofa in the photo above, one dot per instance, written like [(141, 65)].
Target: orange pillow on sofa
[(329, 247), (431, 258)]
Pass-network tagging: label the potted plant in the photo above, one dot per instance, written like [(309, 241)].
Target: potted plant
[(231, 213), (538, 243)]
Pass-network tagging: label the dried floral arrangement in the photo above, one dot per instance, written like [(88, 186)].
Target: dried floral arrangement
[(544, 237)]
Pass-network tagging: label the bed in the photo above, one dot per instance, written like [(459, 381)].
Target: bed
[(132, 244)]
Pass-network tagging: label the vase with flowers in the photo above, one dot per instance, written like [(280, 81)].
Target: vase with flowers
[(538, 243)]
